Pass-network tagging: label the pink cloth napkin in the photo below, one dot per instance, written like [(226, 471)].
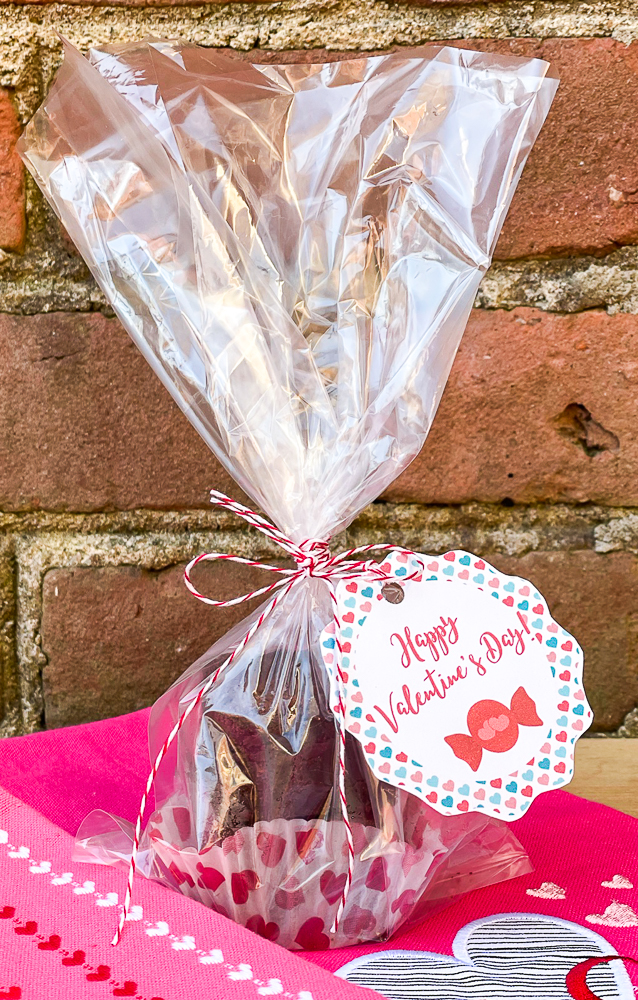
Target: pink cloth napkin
[(585, 857)]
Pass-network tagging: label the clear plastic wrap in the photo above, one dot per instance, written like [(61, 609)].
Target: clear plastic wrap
[(295, 250)]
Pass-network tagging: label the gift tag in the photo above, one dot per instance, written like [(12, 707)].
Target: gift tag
[(460, 686)]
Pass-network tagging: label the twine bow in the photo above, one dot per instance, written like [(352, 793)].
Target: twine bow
[(313, 559)]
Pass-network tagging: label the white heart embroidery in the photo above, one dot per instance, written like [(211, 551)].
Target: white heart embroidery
[(272, 988), (214, 957), (22, 852), (521, 956), (243, 972), (62, 879), (42, 869), (160, 930), (187, 943), (84, 890), (109, 900)]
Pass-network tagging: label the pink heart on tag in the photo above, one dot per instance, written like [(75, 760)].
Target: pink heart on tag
[(433, 567), (553, 627), (328, 658), (493, 583), (579, 695), (546, 747), (510, 803), (401, 557), (384, 768), (479, 794), (357, 697), (578, 725), (543, 779), (524, 591), (448, 786), (354, 728), (463, 575), (417, 777), (386, 739), (551, 657), (366, 606)]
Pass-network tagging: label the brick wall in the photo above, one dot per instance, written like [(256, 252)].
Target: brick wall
[(533, 459)]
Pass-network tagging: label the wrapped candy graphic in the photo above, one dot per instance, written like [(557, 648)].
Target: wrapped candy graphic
[(493, 727), (295, 249)]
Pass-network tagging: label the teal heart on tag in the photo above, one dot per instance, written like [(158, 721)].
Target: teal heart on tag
[(347, 633), (538, 623), (495, 799), (512, 787), (564, 690), (415, 763), (400, 772), (356, 713), (447, 802), (329, 643), (464, 789), (401, 572), (345, 661), (552, 643), (479, 578), (524, 806), (508, 586), (386, 752), (537, 596), (553, 672), (449, 570), (562, 721), (464, 561), (579, 710), (527, 775), (350, 603), (361, 620), (371, 732), (559, 781), (431, 578), (566, 661), (495, 593), (561, 752), (433, 782), (544, 763), (367, 592), (355, 683), (523, 605)]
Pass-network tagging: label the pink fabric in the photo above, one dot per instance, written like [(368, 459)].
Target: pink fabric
[(575, 846), (57, 920)]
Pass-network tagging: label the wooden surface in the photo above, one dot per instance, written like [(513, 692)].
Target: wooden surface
[(607, 771)]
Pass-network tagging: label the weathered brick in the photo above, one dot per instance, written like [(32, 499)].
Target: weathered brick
[(538, 406), (12, 207), (116, 637), (86, 425), (578, 190)]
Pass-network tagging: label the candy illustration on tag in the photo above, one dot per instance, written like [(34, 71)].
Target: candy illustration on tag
[(493, 727), (462, 689)]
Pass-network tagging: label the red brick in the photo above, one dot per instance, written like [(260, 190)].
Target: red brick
[(513, 419), (86, 425), (116, 637), (12, 209)]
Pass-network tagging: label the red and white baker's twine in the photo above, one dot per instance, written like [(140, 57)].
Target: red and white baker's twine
[(313, 558)]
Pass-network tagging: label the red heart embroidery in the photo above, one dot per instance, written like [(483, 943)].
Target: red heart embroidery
[(209, 878), (241, 883), (348, 617), (565, 676), (563, 706), (332, 886), (311, 936), (370, 748), (479, 564), (496, 783), (351, 587), (258, 925), (463, 806), (29, 928), (562, 736), (101, 974), (559, 768), (272, 849), (377, 877), (128, 990), (7, 912), (527, 791), (402, 758), (13, 993), (566, 646), (538, 609), (449, 556), (52, 944), (432, 797), (508, 601), (77, 958)]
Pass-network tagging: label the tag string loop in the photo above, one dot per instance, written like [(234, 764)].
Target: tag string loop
[(313, 559)]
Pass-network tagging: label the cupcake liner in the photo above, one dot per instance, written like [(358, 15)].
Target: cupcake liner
[(283, 879)]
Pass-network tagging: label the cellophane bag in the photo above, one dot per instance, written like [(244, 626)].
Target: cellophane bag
[(295, 249)]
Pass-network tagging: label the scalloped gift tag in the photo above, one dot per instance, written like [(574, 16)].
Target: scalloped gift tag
[(460, 686)]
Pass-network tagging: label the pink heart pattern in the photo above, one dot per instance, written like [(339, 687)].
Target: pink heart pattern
[(551, 766)]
